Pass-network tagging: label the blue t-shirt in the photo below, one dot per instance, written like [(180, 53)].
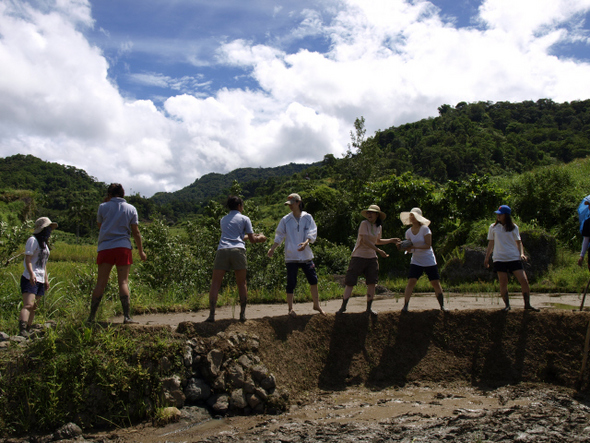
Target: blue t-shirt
[(234, 227), (116, 217)]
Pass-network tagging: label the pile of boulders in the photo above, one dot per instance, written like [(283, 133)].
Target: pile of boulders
[(224, 373), (37, 330)]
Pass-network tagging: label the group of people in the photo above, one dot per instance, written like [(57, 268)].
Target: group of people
[(118, 222)]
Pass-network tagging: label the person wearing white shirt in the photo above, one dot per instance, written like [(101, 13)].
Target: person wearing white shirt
[(505, 245), (298, 230)]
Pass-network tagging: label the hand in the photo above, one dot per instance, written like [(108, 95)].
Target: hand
[(143, 256), (486, 262), (303, 245), (580, 261), (47, 286), (33, 279), (382, 253), (260, 238), (270, 253), (524, 257)]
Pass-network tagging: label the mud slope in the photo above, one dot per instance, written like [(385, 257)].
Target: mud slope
[(484, 348)]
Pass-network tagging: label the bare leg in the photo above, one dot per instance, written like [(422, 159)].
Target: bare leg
[(345, 298), (123, 280), (104, 271), (27, 313), (503, 280), (316, 299), (526, 291), (216, 281), (408, 293), (242, 291), (290, 304)]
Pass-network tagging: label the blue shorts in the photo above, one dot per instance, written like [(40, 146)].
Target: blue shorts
[(431, 271), (505, 266), (308, 270), (25, 286)]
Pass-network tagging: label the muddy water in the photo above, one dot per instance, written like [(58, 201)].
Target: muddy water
[(422, 413)]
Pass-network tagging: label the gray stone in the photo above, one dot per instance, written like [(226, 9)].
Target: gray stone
[(219, 383), (268, 383), (17, 339), (214, 360), (197, 390), (4, 336), (259, 373), (188, 356), (238, 399), (249, 386), (219, 403), (245, 361), (171, 392), (165, 364), (236, 376), (253, 400), (68, 431), (261, 393)]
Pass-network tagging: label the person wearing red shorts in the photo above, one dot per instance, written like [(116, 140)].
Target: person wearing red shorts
[(117, 221)]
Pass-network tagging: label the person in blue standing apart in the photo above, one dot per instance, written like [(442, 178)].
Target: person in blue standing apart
[(298, 229), (584, 216), (35, 280), (505, 245), (423, 258), (117, 221), (231, 254)]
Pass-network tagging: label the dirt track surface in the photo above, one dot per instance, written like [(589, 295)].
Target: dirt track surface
[(473, 374), (383, 303)]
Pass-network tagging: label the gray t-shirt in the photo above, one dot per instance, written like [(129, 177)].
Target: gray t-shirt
[(234, 227), (116, 217)]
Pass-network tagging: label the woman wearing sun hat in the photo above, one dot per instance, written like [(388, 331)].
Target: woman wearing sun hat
[(363, 260), (423, 258), (35, 280), (505, 245), (298, 229)]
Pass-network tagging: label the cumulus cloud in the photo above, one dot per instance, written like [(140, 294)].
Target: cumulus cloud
[(389, 61)]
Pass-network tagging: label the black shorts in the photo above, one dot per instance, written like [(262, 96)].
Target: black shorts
[(369, 267), (506, 266), (26, 287), (431, 271), (308, 270)]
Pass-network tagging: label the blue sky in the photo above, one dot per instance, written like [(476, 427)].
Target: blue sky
[(156, 93)]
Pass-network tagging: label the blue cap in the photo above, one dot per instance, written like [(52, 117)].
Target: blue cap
[(504, 210)]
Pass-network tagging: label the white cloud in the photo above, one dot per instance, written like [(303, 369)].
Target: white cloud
[(388, 60)]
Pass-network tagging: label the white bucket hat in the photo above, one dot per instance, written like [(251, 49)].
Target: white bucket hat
[(417, 212), (42, 223)]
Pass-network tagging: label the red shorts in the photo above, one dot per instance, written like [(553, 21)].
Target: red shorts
[(115, 256)]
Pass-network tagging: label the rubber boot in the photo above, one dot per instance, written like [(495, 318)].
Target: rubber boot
[(369, 310), (22, 326), (211, 317), (527, 303), (506, 302), (441, 301), (405, 308), (126, 317), (94, 304), (342, 309), (243, 312)]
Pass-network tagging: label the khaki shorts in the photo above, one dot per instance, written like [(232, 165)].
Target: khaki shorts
[(369, 267), (230, 259)]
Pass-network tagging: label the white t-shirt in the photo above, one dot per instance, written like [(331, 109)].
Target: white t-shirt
[(39, 259), (421, 257), (505, 247)]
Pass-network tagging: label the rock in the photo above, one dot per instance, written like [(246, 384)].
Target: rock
[(467, 266), (171, 392), (188, 356), (249, 386), (268, 383), (17, 339), (261, 393), (165, 364), (236, 376), (245, 361), (214, 360), (219, 384), (219, 403), (238, 399), (167, 415), (197, 390), (4, 336), (253, 400), (4, 344), (68, 431), (253, 344), (259, 372)]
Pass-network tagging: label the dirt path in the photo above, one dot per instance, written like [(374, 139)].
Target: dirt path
[(383, 303)]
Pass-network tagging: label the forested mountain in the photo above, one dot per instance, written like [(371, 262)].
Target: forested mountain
[(210, 185)]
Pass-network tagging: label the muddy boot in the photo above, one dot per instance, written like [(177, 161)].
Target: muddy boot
[(211, 317), (506, 302), (243, 312), (369, 310), (342, 309), (527, 303), (22, 327), (441, 301), (405, 308), (94, 304), (127, 320)]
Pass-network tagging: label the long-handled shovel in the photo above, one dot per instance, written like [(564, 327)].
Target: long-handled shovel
[(584, 296)]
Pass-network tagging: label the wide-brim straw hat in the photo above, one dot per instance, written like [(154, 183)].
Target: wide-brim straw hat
[(42, 223), (405, 217), (374, 208)]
